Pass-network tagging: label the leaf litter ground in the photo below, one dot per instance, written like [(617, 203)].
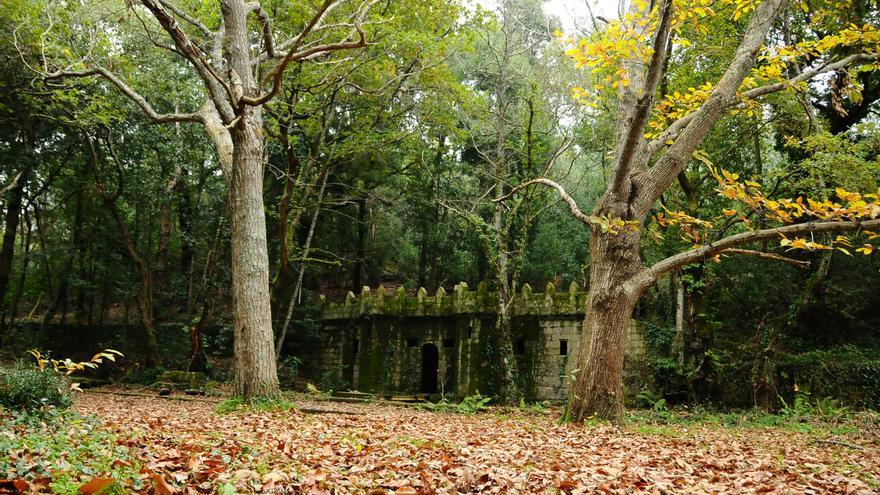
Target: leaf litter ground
[(186, 447)]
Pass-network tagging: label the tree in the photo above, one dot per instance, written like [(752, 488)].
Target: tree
[(631, 56), (237, 82)]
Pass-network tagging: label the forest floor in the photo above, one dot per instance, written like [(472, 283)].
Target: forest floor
[(319, 447)]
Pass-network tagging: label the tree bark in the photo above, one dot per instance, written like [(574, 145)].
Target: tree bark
[(598, 386), (255, 373)]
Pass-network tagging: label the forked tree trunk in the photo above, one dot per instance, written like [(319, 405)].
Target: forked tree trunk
[(255, 373)]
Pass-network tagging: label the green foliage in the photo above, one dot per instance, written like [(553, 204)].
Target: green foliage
[(334, 379), (804, 407), (261, 404), (847, 373), (650, 400), (24, 386), (470, 404), (658, 338), (68, 448)]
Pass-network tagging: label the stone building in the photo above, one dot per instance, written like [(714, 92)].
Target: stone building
[(393, 343)]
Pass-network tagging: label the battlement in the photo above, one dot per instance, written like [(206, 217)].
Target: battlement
[(461, 301)]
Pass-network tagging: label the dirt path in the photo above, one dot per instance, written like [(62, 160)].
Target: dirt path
[(384, 449)]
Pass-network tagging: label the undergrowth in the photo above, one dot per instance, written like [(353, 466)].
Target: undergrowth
[(817, 416), (61, 450), (262, 404)]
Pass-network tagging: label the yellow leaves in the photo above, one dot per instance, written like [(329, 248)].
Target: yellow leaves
[(728, 212), (846, 195), (69, 367), (743, 7), (610, 225), (801, 243), (677, 105), (866, 249)]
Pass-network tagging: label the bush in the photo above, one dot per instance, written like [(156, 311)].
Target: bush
[(848, 373), (27, 387)]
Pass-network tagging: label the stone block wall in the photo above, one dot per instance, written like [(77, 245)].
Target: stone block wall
[(378, 340)]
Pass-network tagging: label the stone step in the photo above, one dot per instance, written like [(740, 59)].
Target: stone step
[(348, 400), (353, 394)]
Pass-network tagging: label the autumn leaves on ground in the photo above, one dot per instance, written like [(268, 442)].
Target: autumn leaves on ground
[(160, 446)]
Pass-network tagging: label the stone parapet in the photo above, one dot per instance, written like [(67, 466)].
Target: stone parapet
[(461, 301)]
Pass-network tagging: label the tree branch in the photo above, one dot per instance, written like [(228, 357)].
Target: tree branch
[(709, 250), (663, 173), (265, 23), (672, 131), (8, 187), (186, 17), (770, 256), (219, 91), (131, 94), (572, 204), (636, 129), (276, 73)]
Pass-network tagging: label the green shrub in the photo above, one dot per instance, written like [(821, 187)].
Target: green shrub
[(27, 387), (847, 373)]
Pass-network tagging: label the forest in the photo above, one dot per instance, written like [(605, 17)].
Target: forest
[(341, 246)]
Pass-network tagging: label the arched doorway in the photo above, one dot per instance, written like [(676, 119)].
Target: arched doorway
[(430, 365)]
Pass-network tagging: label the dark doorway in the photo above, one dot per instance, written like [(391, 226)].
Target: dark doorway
[(430, 365)]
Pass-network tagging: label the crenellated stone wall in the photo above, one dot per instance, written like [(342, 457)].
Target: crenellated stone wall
[(446, 343)]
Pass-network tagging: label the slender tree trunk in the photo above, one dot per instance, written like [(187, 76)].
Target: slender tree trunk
[(25, 261), (302, 268), (198, 361), (12, 217), (187, 250), (360, 269), (144, 295)]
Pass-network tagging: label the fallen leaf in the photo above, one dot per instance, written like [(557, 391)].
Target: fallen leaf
[(96, 485), (162, 487)]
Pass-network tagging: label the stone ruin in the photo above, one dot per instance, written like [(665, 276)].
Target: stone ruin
[(395, 343)]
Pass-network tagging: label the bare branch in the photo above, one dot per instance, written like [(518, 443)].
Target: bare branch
[(276, 73), (709, 250), (572, 204), (770, 256), (186, 17), (131, 94)]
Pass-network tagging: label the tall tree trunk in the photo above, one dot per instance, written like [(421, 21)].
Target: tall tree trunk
[(297, 290), (255, 372), (598, 384)]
